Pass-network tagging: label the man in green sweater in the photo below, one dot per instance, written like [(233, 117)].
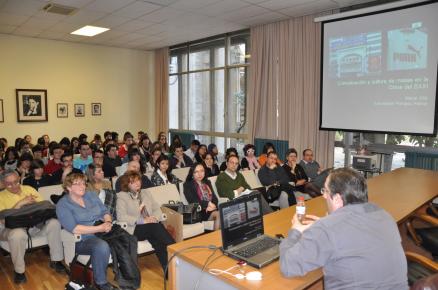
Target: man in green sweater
[(231, 183)]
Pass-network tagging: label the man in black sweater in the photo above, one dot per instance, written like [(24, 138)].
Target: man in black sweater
[(111, 160), (275, 178)]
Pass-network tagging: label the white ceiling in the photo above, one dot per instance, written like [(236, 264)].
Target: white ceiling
[(150, 24)]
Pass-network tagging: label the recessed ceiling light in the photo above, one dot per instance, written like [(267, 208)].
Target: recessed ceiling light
[(89, 30)]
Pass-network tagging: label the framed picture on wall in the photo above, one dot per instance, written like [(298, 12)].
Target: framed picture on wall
[(96, 109), (2, 113), (79, 110), (31, 105), (62, 110)]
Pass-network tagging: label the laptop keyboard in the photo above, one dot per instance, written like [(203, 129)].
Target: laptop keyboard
[(256, 247)]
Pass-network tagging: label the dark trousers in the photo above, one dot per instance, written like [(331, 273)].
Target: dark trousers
[(159, 238)]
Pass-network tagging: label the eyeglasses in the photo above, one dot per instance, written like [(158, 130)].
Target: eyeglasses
[(250, 151), (78, 183), (324, 191), (12, 184)]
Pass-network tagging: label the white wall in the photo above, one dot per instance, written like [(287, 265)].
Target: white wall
[(121, 79)]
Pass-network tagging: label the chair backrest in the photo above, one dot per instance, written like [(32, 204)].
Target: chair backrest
[(162, 194), (428, 283), (118, 170), (113, 181), (181, 173), (47, 191), (181, 193), (213, 184), (251, 179)]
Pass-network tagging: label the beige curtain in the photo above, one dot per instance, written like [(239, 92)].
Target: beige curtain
[(283, 95), (162, 89)]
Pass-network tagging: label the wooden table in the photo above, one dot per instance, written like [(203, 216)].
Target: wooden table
[(400, 192)]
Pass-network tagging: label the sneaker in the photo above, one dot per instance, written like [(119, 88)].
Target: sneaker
[(107, 286), (58, 266), (19, 278)]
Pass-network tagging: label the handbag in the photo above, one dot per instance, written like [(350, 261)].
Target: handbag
[(81, 274), (273, 193), (30, 215), (191, 212)]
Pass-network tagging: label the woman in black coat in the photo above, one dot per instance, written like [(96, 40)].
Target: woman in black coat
[(198, 189)]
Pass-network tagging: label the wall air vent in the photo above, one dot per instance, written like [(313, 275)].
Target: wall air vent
[(59, 9)]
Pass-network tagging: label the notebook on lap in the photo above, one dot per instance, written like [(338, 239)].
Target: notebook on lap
[(242, 232)]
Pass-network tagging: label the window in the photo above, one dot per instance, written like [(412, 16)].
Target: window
[(207, 89)]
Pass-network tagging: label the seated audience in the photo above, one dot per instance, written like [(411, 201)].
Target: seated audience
[(83, 138), (211, 168), (144, 147), (193, 149), (98, 157), (23, 165), (115, 138), (77, 212), (55, 162), (143, 215), (313, 169), (179, 158), (358, 244), (65, 144), (128, 139), (133, 154), (74, 145), (268, 147), (150, 165), (162, 175), (67, 167), (37, 178), (273, 176), (136, 167), (85, 158), (297, 174), (28, 140), (176, 140), (16, 196), (97, 141), (249, 161), (200, 153), (162, 140), (37, 152), (111, 160), (231, 184), (102, 187), (132, 147), (212, 149), (198, 189), (24, 147), (229, 152), (11, 158)]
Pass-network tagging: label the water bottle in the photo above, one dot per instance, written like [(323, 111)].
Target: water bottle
[(301, 209)]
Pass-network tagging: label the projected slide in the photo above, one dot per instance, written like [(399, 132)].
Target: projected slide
[(357, 55), (380, 71), (407, 48)]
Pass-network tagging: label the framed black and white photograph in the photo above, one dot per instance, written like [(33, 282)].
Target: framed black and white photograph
[(79, 110), (31, 105), (62, 110), (96, 109), (2, 113)]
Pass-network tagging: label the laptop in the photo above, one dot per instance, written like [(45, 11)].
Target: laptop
[(242, 231)]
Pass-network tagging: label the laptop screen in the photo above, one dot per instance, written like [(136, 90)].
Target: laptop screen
[(241, 220)]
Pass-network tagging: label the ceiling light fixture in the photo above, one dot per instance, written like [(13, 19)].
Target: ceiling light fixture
[(89, 30)]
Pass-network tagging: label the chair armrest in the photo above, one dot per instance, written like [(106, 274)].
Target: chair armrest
[(222, 199), (122, 224), (175, 220), (422, 260), (69, 244), (67, 237)]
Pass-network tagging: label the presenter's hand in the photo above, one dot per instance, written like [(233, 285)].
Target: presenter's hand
[(307, 222)]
